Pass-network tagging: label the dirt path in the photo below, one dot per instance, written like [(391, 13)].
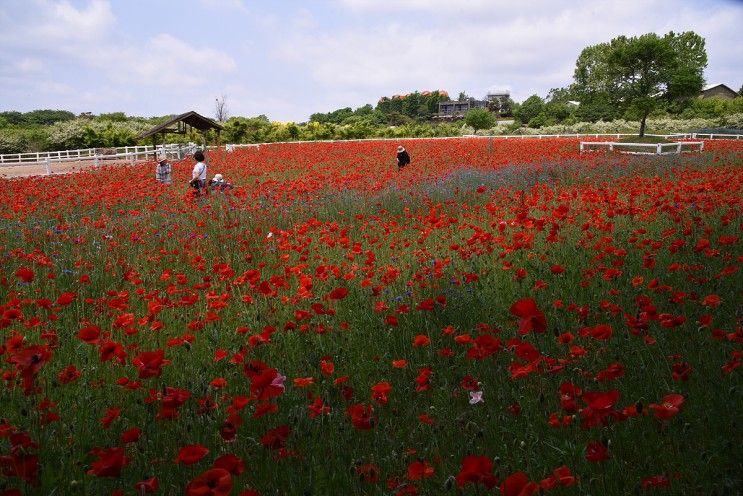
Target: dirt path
[(10, 171)]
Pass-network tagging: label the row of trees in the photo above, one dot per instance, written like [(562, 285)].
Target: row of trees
[(390, 111), (106, 130)]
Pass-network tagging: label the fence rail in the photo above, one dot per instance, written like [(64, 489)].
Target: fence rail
[(131, 154), (89, 153), (710, 136), (653, 148)]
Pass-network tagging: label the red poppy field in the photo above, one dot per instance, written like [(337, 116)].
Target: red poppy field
[(502, 317)]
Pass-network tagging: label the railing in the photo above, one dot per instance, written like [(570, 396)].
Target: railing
[(88, 153), (711, 136), (231, 147), (654, 148), (99, 156)]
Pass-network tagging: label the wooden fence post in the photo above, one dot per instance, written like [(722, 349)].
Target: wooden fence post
[(48, 166)]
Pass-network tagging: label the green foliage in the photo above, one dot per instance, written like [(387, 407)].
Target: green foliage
[(113, 117), (541, 120), (712, 107), (36, 117), (12, 142), (479, 118), (87, 133), (640, 73), (246, 130), (529, 109), (501, 106)]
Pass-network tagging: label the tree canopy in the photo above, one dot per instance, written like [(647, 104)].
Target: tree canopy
[(638, 73), (479, 118)]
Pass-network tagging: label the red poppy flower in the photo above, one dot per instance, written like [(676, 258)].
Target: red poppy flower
[(530, 317), (419, 470), (362, 416), (68, 375), (381, 391), (338, 294), (147, 486), (670, 406), (131, 436), (109, 463), (213, 482), (89, 334), (477, 470), (276, 438), (25, 274), (150, 363), (518, 484), (231, 463), (188, 455)]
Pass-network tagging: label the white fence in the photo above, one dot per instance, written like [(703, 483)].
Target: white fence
[(653, 148), (709, 136), (90, 153), (92, 156)]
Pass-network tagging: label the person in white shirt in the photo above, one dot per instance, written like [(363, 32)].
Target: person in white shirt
[(198, 176)]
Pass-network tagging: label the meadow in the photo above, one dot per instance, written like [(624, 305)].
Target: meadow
[(502, 317)]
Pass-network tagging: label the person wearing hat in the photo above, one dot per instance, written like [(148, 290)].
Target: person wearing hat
[(218, 183), (403, 158), (163, 169)]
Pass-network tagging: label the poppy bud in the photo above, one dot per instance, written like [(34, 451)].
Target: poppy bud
[(449, 483)]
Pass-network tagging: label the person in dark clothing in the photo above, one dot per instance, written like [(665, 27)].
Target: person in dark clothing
[(403, 158), (219, 184)]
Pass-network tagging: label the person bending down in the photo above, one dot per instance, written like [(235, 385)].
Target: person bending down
[(403, 157)]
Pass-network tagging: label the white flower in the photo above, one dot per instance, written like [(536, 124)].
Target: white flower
[(476, 397), (269, 235)]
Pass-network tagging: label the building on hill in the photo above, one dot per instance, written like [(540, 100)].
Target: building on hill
[(455, 109), (452, 110), (719, 91)]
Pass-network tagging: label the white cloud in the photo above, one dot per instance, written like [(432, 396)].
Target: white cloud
[(224, 4), (529, 47), (168, 61), (90, 38), (61, 22), (290, 59)]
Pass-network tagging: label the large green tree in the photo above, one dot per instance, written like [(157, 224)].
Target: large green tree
[(529, 109), (639, 73), (479, 118)]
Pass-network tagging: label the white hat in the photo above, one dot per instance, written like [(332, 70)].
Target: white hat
[(400, 149), (218, 177)]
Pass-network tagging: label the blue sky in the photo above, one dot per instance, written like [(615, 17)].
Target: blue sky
[(289, 58)]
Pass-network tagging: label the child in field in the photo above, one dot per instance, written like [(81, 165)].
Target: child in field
[(219, 184), (198, 175), (403, 157), (163, 170)]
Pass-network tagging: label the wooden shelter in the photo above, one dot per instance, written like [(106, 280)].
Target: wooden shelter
[(182, 124)]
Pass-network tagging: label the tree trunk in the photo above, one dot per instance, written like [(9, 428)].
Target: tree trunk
[(642, 124)]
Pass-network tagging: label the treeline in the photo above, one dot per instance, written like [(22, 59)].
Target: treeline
[(392, 117), (558, 108), (261, 130), (46, 130), (396, 110)]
